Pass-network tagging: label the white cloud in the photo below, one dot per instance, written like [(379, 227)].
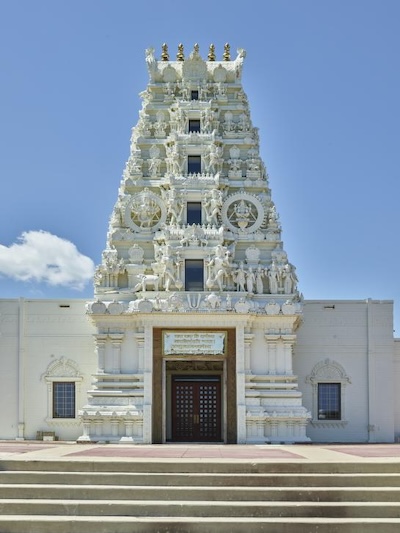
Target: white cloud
[(45, 258)]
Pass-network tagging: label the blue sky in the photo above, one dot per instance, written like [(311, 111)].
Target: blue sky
[(323, 81)]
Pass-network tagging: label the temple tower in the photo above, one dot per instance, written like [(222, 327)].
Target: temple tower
[(196, 303)]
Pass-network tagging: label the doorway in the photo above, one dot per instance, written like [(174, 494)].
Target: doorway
[(196, 408)]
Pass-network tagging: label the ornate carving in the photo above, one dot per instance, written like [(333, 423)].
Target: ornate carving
[(219, 267), (212, 205), (243, 212), (62, 368), (145, 210)]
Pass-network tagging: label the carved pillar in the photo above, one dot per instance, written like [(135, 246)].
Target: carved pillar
[(101, 341), (248, 339), (98, 427), (114, 427), (288, 350), (128, 428), (240, 386), (139, 336), (86, 429), (148, 385), (274, 429), (272, 354), (116, 340)]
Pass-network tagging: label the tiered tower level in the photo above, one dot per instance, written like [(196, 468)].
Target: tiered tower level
[(195, 234)]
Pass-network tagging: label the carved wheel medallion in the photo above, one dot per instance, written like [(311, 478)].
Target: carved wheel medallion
[(144, 211), (243, 212)]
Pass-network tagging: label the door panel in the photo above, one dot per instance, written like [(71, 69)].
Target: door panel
[(196, 409)]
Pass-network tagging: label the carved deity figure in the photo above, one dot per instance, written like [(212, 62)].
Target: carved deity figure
[(273, 278), (168, 268), (244, 122), (228, 124), (219, 267), (259, 280), (207, 117), (175, 160), (250, 280), (175, 206), (214, 159), (160, 126), (289, 279), (154, 166), (242, 212), (212, 206), (240, 278)]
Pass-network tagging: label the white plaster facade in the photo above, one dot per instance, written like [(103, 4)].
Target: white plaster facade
[(194, 253), (53, 339)]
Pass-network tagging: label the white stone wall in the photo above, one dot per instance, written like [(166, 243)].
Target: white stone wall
[(396, 388), (358, 337), (35, 334)]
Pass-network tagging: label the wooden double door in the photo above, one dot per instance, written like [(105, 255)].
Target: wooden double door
[(196, 408)]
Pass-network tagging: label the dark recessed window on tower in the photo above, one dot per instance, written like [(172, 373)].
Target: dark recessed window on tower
[(193, 213), (194, 95), (194, 164), (194, 275), (194, 125)]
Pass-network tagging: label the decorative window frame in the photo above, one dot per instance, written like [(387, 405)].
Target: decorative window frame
[(328, 371), (62, 370)]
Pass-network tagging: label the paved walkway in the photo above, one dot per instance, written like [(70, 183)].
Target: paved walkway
[(37, 450)]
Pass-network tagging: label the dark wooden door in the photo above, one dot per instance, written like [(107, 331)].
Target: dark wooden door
[(196, 409)]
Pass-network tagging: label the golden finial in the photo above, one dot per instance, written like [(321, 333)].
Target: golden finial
[(211, 53), (180, 56), (164, 54), (227, 52)]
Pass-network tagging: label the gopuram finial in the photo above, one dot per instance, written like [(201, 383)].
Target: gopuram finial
[(164, 53), (227, 52), (211, 53), (180, 56)]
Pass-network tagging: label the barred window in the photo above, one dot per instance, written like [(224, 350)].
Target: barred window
[(329, 396), (63, 399)]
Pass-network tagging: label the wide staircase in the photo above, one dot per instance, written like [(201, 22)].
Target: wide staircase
[(182, 497)]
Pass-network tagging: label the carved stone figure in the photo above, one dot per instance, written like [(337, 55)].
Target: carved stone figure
[(175, 206), (259, 280), (145, 280), (168, 268), (228, 123), (213, 301), (214, 159), (146, 210), (175, 160), (219, 267), (289, 279), (154, 167), (207, 117), (240, 278), (212, 205), (250, 280), (273, 278)]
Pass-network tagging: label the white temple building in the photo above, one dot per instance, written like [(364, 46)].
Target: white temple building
[(197, 331)]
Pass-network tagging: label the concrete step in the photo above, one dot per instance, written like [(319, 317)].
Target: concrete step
[(192, 509), (93, 524), (204, 466), (69, 496), (244, 494), (201, 479)]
